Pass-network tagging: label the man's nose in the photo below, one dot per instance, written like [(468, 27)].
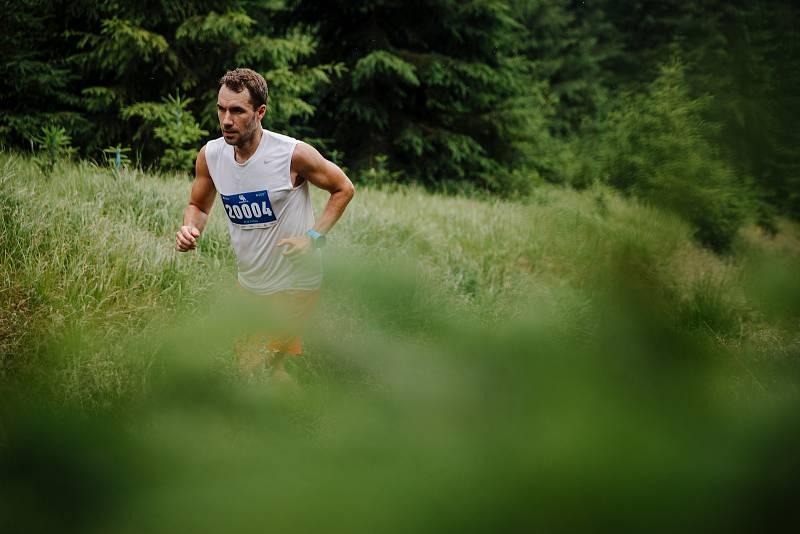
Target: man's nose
[(226, 118)]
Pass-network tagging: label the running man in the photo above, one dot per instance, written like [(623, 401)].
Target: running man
[(262, 178)]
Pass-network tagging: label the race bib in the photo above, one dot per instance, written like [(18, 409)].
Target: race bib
[(253, 209)]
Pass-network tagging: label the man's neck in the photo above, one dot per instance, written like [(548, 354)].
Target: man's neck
[(243, 152)]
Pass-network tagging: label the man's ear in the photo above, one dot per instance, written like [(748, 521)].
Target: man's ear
[(262, 110)]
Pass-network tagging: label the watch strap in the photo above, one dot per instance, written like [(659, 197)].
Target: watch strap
[(316, 237)]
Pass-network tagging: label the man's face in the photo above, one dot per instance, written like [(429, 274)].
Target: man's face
[(237, 118)]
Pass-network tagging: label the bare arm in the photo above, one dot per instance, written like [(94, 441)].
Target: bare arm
[(196, 213), (309, 163)]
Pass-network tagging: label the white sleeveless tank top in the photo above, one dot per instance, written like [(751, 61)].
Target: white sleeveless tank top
[(262, 208)]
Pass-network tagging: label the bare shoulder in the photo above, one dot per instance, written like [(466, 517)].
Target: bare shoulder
[(305, 158), (201, 164), (311, 165)]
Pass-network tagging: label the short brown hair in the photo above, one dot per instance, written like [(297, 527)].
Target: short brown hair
[(240, 79)]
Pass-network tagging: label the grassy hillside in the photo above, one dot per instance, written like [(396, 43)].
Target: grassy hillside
[(474, 363), (86, 251)]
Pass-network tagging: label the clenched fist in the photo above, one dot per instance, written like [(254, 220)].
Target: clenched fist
[(186, 238)]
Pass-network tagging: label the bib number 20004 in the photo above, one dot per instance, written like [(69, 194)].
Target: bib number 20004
[(249, 208)]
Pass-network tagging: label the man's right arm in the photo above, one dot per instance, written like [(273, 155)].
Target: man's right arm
[(196, 213)]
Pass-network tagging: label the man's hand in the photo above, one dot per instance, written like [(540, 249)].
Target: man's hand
[(296, 246), (200, 201), (186, 238)]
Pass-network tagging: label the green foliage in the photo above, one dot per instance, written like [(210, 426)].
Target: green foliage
[(654, 146), (212, 27), (172, 124), (255, 36), (122, 45), (486, 252), (35, 81), (556, 353), (751, 63), (743, 54), (379, 174), (485, 96), (81, 67), (117, 158), (383, 64), (710, 308), (436, 86), (568, 48), (53, 143)]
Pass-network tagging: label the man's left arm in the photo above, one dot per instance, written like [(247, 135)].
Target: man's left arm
[(309, 164)]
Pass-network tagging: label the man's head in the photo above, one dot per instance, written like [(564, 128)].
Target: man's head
[(241, 104)]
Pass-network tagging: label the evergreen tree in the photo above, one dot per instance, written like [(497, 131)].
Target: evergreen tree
[(435, 85), (645, 32), (86, 61), (174, 126), (655, 146), (751, 64), (568, 43), (34, 78), (744, 55), (264, 37), (491, 92)]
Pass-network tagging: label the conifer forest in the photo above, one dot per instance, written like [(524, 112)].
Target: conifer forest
[(495, 96)]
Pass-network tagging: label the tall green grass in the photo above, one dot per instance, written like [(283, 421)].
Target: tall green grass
[(571, 362), (87, 251)]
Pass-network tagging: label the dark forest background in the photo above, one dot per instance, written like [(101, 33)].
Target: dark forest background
[(691, 106)]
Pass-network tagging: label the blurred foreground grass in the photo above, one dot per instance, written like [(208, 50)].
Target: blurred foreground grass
[(574, 362)]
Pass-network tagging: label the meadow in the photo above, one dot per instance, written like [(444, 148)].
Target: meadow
[(567, 360)]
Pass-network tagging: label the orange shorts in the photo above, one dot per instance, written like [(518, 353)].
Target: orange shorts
[(295, 307)]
